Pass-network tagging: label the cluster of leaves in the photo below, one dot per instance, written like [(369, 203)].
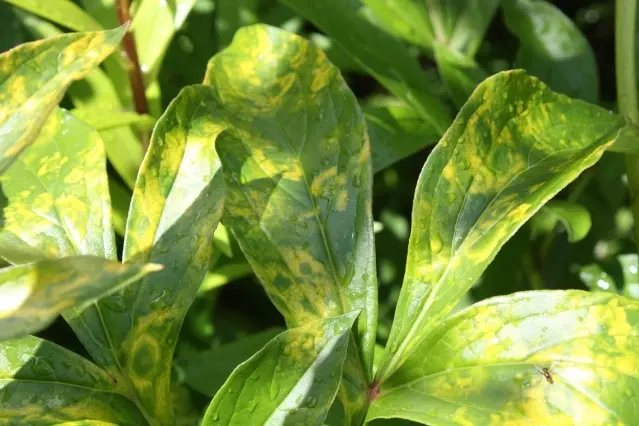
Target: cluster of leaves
[(266, 166)]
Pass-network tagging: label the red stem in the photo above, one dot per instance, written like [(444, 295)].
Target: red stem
[(135, 73)]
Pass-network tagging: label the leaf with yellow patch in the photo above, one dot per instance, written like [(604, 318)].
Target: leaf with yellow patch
[(395, 69), (42, 383), (292, 380), (176, 205), (297, 171), (550, 357), (33, 295), (512, 147), (34, 77)]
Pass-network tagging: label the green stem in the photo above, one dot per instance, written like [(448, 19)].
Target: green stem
[(625, 30)]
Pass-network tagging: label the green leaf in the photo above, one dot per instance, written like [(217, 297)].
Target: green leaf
[(221, 275), (206, 371), (562, 357), (297, 172), (596, 279), (62, 12), (574, 217), (460, 73), (396, 131), (512, 147), (56, 201), (175, 209), (381, 55), (29, 93), (155, 23), (630, 270), (44, 384), (405, 19), (552, 48), (293, 380), (107, 119), (33, 295)]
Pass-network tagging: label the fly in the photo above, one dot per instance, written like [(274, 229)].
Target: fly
[(547, 375)]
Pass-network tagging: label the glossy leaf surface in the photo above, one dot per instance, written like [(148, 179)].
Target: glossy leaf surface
[(596, 279), (206, 371), (155, 24), (396, 131), (43, 384), (297, 172), (553, 48), (395, 68), (292, 381), (33, 295), (574, 218), (33, 78), (512, 147), (62, 12), (175, 209), (405, 19), (630, 269), (564, 357)]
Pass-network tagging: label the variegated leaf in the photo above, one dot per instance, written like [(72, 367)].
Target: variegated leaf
[(543, 358), (33, 78), (297, 171), (512, 147)]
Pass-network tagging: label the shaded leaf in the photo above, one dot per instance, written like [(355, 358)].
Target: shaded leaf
[(296, 163), (564, 357), (458, 25), (231, 15), (512, 147), (44, 384), (206, 371), (460, 73), (394, 68), (33, 295), (406, 19), (574, 217), (62, 12), (120, 202), (28, 94), (175, 209), (396, 131), (552, 48), (293, 380), (221, 275)]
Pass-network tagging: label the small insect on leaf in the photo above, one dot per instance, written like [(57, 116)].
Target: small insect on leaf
[(546, 373)]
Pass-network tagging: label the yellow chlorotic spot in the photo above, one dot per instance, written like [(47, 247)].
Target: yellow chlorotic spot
[(322, 180)]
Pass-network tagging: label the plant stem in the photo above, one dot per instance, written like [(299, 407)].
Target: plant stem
[(625, 32), (135, 72)]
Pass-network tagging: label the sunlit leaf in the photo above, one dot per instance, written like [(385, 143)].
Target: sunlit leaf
[(630, 269), (596, 279), (44, 384), (176, 205), (107, 119), (297, 171), (155, 23), (206, 371), (396, 131), (564, 357), (512, 147), (29, 93), (552, 48), (33, 295), (381, 55), (62, 12), (406, 19), (293, 380)]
